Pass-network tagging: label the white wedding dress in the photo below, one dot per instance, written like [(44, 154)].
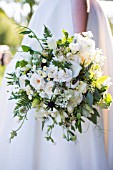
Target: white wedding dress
[(30, 150)]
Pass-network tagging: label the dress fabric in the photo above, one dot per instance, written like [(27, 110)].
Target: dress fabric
[(30, 150)]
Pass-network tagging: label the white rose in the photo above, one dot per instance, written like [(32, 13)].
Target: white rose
[(66, 75), (74, 47), (82, 87), (74, 59), (75, 99), (51, 41), (37, 81)]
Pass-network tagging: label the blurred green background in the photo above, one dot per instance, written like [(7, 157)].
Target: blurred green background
[(13, 12)]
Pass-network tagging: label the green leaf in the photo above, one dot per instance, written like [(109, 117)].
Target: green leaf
[(93, 118), (73, 138), (101, 80), (97, 95), (89, 98), (65, 33), (47, 32), (96, 112), (25, 48), (78, 115), (25, 32), (21, 63), (36, 102)]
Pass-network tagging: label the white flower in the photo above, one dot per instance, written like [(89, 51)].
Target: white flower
[(52, 71), (30, 97), (51, 41), (67, 76), (59, 58), (22, 80), (74, 47), (87, 48), (34, 68), (37, 81), (44, 61), (44, 68), (88, 34), (29, 91), (48, 88), (74, 59), (82, 87), (78, 97), (107, 82), (70, 109), (76, 68), (39, 72), (44, 75), (75, 99)]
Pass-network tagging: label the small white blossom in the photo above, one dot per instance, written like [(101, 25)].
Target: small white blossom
[(39, 72), (44, 68), (44, 61)]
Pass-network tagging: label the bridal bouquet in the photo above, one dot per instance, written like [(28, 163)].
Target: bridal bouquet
[(62, 81)]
